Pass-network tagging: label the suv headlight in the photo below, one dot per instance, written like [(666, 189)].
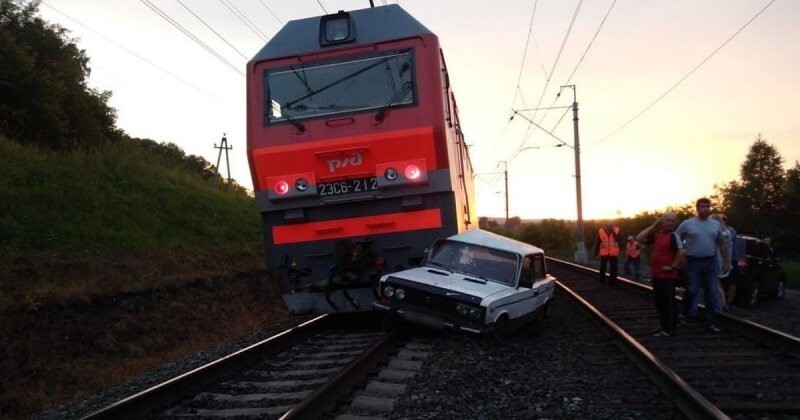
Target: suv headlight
[(388, 291), (400, 294)]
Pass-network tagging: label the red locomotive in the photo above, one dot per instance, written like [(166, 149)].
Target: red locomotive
[(356, 153)]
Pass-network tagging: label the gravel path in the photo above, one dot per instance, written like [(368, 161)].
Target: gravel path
[(565, 366)]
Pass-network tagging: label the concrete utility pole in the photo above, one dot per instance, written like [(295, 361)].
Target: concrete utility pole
[(224, 146), (580, 252)]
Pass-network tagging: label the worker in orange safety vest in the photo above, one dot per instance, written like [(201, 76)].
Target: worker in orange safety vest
[(607, 248), (633, 250)]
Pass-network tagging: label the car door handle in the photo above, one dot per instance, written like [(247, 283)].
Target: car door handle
[(535, 292)]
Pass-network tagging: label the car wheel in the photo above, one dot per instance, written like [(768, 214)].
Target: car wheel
[(546, 310), (501, 328)]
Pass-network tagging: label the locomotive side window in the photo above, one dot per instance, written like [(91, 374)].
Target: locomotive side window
[(342, 87)]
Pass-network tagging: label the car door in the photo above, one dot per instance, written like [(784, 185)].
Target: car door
[(525, 297), (542, 284)]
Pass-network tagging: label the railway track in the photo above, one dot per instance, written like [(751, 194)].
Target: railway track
[(745, 371), (345, 366), (299, 373)]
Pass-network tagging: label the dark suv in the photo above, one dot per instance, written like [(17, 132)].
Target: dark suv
[(760, 273)]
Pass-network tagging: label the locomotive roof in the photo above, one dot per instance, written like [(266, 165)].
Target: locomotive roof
[(493, 240), (371, 25)]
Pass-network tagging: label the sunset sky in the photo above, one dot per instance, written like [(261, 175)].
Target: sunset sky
[(168, 88)]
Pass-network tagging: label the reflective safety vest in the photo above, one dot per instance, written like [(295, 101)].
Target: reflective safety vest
[(609, 247), (634, 249)]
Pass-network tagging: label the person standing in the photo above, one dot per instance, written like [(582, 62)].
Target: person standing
[(607, 248), (701, 237), (733, 248), (725, 278), (633, 250), (665, 260)]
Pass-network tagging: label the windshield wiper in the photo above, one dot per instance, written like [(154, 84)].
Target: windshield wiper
[(336, 82), (474, 278), (300, 127), (437, 264), (398, 95)]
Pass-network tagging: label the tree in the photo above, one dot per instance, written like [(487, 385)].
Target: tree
[(788, 231), (755, 202), (44, 99)]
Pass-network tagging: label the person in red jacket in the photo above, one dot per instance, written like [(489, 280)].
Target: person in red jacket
[(607, 248), (633, 250), (665, 261)]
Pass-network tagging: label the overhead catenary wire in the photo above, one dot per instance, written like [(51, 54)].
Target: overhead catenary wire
[(271, 12), (686, 76), (588, 47), (190, 35), (242, 18), (212, 29), (547, 82), (517, 90), (133, 53), (558, 56), (524, 55), (323, 7), (580, 61)]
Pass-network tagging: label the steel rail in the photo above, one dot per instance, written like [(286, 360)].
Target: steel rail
[(324, 399), (746, 327), (687, 399), (142, 403)]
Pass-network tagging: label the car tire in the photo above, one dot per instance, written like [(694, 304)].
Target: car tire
[(546, 311), (501, 326)]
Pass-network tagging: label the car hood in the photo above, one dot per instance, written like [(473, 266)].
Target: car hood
[(455, 282)]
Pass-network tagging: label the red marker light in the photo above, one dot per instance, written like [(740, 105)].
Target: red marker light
[(412, 172), (281, 187)]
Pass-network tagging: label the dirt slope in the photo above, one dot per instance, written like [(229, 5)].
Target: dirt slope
[(65, 346)]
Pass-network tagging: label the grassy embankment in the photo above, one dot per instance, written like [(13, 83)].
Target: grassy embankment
[(113, 263), (121, 200)]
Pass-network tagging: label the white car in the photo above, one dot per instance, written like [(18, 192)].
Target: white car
[(475, 281)]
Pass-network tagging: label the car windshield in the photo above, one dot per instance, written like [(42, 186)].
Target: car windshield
[(475, 260), (370, 83)]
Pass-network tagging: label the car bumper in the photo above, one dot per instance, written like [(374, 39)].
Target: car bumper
[(429, 320)]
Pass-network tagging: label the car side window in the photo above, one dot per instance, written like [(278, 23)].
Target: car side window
[(762, 250), (538, 267), (526, 279)]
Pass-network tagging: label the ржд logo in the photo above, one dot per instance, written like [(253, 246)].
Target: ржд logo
[(351, 159)]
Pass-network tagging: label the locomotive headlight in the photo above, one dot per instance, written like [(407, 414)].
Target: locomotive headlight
[(336, 29), (390, 174), (400, 294), (301, 184), (412, 172), (281, 187), (388, 291)]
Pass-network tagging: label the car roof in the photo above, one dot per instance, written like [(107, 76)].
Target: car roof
[(493, 240)]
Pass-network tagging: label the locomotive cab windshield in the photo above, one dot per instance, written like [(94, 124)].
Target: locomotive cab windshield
[(357, 85)]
